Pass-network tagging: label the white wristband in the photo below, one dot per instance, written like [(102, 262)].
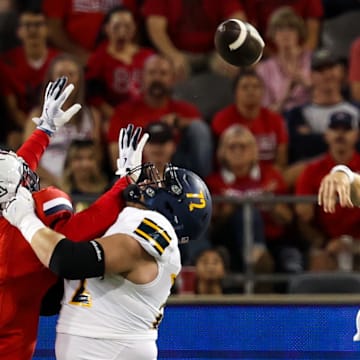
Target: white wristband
[(29, 225), (344, 169)]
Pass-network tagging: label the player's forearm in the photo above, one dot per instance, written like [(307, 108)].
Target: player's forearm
[(43, 244), (96, 219), (33, 148), (42, 239), (66, 258)]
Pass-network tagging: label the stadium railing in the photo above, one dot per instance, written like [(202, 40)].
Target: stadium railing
[(248, 278)]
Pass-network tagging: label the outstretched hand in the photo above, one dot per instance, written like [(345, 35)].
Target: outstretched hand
[(130, 151), (333, 187), (53, 117)]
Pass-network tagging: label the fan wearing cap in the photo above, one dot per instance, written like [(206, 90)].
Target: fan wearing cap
[(161, 145), (193, 134), (324, 229), (308, 123)]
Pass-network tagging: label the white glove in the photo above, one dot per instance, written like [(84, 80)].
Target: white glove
[(52, 116), (130, 151), (20, 212)]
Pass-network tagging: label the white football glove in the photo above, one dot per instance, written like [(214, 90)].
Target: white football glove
[(19, 207), (130, 151), (20, 213), (52, 116)]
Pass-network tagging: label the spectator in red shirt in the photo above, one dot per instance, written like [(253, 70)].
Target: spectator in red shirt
[(114, 70), (184, 30), (268, 127), (240, 176), (323, 229), (194, 142), (74, 24), (29, 61), (354, 70), (258, 13)]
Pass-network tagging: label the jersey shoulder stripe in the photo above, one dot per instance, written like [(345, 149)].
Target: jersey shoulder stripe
[(154, 234)]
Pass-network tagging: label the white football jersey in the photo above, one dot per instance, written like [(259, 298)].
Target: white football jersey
[(113, 307)]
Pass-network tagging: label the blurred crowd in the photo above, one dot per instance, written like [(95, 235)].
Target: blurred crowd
[(274, 129)]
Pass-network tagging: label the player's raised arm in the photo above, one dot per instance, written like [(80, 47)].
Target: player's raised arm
[(51, 119), (342, 185), (103, 212)]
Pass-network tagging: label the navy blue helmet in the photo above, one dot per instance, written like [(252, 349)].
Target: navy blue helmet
[(179, 194)]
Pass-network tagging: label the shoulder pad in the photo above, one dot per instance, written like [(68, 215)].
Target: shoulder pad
[(52, 204), (154, 234)]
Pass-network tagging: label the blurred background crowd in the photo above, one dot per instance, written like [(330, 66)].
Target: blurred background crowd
[(274, 129)]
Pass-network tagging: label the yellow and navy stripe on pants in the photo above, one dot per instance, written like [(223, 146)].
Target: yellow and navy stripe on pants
[(154, 234)]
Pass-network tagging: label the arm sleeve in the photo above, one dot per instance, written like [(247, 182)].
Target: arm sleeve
[(33, 148), (95, 220)]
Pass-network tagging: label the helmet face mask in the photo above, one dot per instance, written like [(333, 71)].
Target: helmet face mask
[(178, 194), (13, 173)]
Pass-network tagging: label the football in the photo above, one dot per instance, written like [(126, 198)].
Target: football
[(238, 42)]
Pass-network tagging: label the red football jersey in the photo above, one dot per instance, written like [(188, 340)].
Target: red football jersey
[(31, 78), (82, 18), (119, 81), (137, 112), (344, 221), (191, 25), (24, 280), (247, 186), (268, 128)]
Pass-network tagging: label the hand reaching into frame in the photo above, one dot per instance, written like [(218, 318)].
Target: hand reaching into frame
[(130, 150), (335, 186), (53, 117)]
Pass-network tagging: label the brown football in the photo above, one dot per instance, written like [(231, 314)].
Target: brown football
[(238, 42)]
